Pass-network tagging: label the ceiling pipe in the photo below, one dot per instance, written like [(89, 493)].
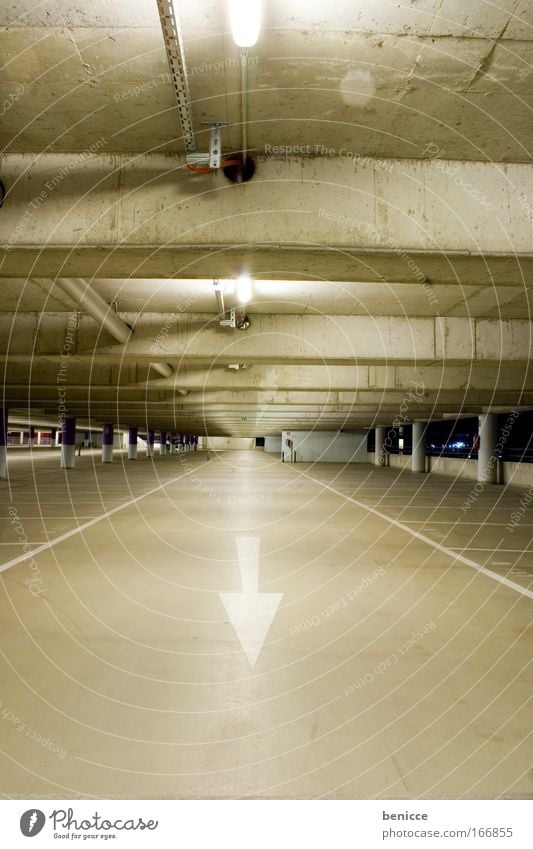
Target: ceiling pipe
[(244, 103), (163, 369), (291, 246), (241, 167), (89, 301)]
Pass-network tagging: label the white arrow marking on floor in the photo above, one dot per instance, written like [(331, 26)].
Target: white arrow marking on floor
[(250, 612)]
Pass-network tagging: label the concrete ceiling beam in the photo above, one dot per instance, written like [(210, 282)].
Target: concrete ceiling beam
[(277, 339), (150, 204), (117, 379)]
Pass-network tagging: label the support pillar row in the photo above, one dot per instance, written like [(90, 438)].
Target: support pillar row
[(150, 438), (418, 455), (132, 443), (486, 456), (107, 443), (3, 442), (379, 456), (68, 443)]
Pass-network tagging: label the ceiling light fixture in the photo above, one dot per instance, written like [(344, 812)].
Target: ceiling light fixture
[(245, 20), (244, 289)]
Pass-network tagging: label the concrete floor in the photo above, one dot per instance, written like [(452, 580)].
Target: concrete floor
[(392, 668)]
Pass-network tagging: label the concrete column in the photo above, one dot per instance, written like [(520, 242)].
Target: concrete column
[(31, 437), (163, 442), (172, 443), (150, 438), (379, 457), (486, 455), (21, 437), (132, 443), (68, 443), (3, 442), (107, 443), (418, 455), (55, 437)]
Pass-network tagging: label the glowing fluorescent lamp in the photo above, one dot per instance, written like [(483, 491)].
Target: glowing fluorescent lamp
[(245, 20), (244, 289)]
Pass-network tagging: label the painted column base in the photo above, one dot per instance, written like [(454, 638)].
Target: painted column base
[(107, 453), (132, 452), (3, 461), (68, 456)]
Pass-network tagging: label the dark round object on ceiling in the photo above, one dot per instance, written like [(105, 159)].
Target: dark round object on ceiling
[(241, 172), (243, 322)]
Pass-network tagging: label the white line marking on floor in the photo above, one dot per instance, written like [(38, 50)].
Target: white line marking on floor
[(502, 550), (445, 550), (79, 528)]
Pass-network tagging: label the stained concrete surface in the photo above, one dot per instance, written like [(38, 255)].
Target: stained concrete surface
[(391, 668)]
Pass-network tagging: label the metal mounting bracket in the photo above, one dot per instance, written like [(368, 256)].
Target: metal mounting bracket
[(213, 159)]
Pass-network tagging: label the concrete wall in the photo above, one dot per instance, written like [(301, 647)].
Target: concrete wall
[(517, 474), (398, 461), (230, 443), (325, 446), (273, 444), (453, 467)]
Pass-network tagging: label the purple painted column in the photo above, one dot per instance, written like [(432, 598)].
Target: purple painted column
[(53, 434), (132, 443), (163, 442), (150, 439), (68, 443), (107, 443), (3, 442), (31, 436)]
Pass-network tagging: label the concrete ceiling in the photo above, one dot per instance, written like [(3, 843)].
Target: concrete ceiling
[(376, 77), (388, 227)]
